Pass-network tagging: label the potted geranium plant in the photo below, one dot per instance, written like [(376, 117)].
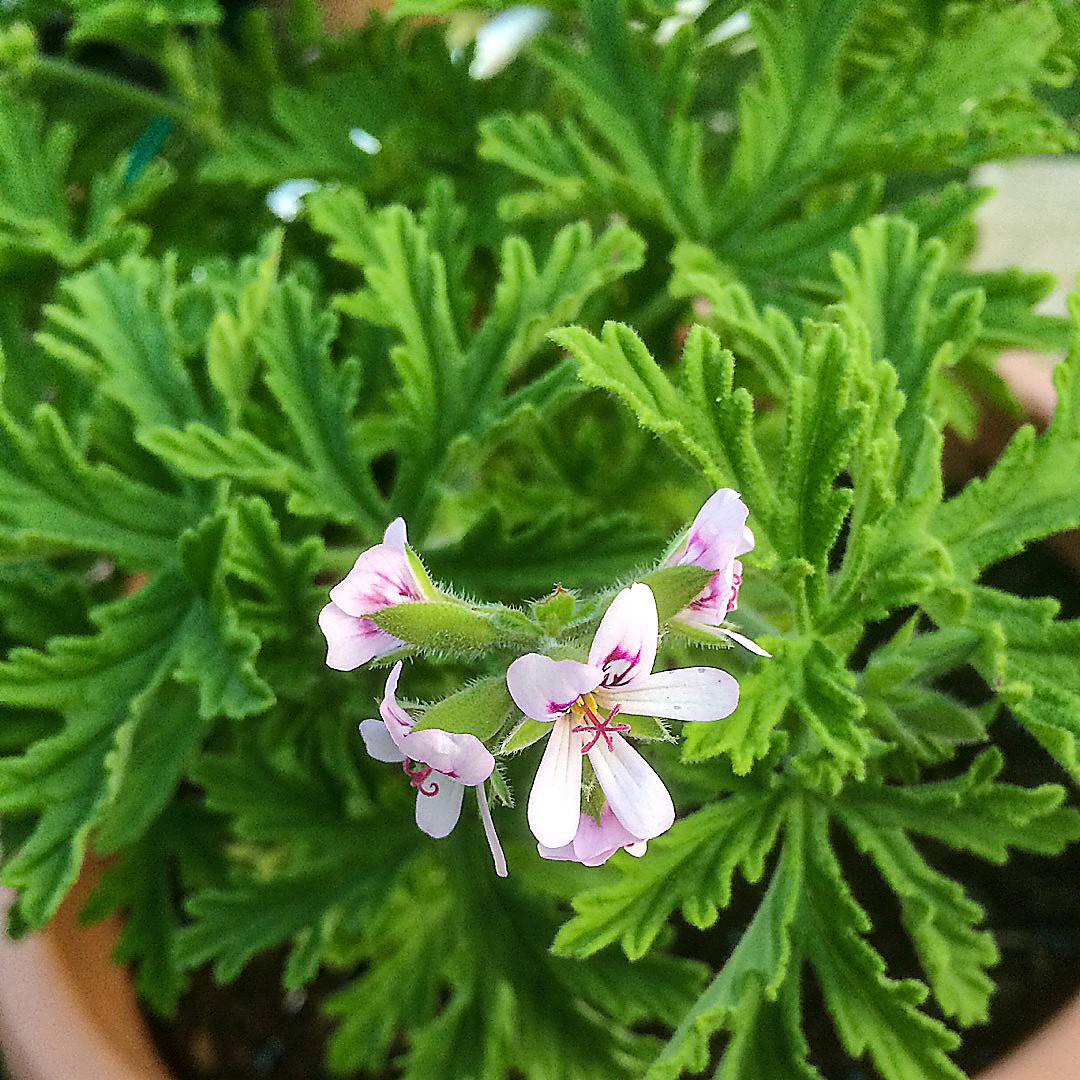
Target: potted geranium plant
[(578, 442)]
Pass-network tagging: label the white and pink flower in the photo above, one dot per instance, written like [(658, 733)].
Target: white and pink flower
[(582, 701), (439, 764), (714, 541), (381, 577), (596, 841)]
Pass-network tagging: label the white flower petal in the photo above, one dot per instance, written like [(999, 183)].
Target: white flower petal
[(377, 741), (284, 200), (438, 814), (745, 642), (700, 693), (555, 799), (352, 641), (489, 831), (398, 722), (500, 39), (396, 535), (624, 647), (638, 849), (461, 757), (717, 534), (544, 688), (635, 793)]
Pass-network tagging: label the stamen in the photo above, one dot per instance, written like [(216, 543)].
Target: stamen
[(601, 727)]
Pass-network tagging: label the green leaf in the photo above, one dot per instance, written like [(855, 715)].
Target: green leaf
[(1031, 492), (524, 734), (872, 1013), (941, 921), (479, 709), (50, 494), (690, 867), (758, 969), (118, 326), (112, 690)]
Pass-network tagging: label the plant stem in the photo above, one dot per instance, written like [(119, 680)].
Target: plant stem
[(94, 82)]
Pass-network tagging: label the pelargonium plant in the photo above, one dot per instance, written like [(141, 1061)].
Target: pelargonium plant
[(649, 321)]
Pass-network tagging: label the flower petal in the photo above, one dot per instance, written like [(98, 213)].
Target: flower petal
[(733, 635), (624, 647), (380, 577), (398, 722), (544, 688), (462, 757), (596, 842), (350, 641), (438, 814), (717, 535), (635, 793), (489, 831), (377, 741), (699, 693), (555, 799)]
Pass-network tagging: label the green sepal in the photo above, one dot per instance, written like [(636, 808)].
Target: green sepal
[(674, 587), (438, 626), (416, 565), (555, 611), (645, 727), (525, 734), (479, 709)]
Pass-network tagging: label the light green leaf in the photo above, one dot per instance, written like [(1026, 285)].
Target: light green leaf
[(479, 709)]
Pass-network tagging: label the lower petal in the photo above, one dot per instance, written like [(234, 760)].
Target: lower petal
[(555, 799), (634, 792), (438, 814), (351, 642), (462, 757)]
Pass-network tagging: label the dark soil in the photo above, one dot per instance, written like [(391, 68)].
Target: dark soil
[(252, 1030)]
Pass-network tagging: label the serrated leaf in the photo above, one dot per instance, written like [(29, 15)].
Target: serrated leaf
[(871, 1012), (50, 494), (691, 866), (1031, 492)]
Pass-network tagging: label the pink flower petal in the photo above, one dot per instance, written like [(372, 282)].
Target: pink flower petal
[(555, 799), (398, 722), (717, 535), (700, 693), (380, 577), (463, 757), (438, 814), (635, 793), (350, 641), (624, 647), (378, 743), (544, 688), (596, 842), (489, 831)]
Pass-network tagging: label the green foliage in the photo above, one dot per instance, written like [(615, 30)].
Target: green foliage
[(540, 318)]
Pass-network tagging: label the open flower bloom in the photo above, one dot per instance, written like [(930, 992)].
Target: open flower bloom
[(381, 577), (714, 541), (582, 701), (439, 764), (596, 841)]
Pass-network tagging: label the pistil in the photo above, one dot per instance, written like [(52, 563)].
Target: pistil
[(418, 772)]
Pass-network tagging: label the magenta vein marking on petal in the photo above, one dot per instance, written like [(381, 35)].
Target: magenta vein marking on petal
[(736, 581), (619, 655)]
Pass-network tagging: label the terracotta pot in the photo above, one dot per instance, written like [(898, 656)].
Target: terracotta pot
[(66, 1011)]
